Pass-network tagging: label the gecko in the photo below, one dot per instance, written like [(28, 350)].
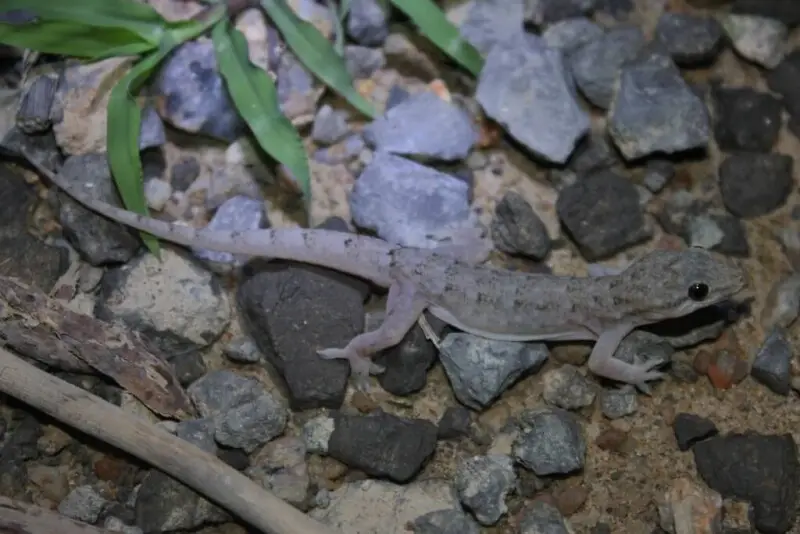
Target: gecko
[(455, 286)]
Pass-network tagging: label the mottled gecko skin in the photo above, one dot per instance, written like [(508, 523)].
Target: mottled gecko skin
[(489, 302)]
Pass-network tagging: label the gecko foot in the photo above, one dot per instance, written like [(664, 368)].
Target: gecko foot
[(360, 366), (642, 373)]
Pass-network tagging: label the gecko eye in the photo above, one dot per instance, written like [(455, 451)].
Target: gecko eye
[(698, 292)]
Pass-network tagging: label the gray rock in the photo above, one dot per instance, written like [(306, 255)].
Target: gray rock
[(383, 445), (658, 172), (362, 61), (550, 442), (222, 390), (746, 197), (281, 467), (616, 403), (655, 110), (330, 125), (445, 522), (195, 94), (593, 153), (772, 364), (342, 152), (517, 229), (83, 504), (482, 484), (164, 505), (489, 22), (236, 214), (242, 350), (405, 202), (481, 369), (567, 388), (541, 12), (99, 240), (198, 432), (415, 126), (151, 129), (252, 424), (602, 214), (526, 87), (541, 517), (690, 39), (761, 40), (298, 89), (570, 34), (367, 22), (596, 65)]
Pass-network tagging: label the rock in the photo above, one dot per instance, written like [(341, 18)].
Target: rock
[(83, 504), (454, 423), (551, 442), (602, 213), (99, 240), (658, 172), (163, 504), (772, 364), (570, 34), (367, 22), (362, 62), (517, 229), (198, 432), (281, 467), (747, 197), (445, 522), (414, 128), (689, 39), (406, 364), (541, 517), (616, 403), (298, 89), (405, 202), (655, 111), (525, 86), (758, 39), (184, 173), (22, 255), (482, 484), (782, 305), (746, 119), (382, 445), (785, 80), (786, 11), (690, 428), (250, 425), (278, 300), (541, 12), (173, 301), (242, 350), (596, 65), (330, 125), (236, 214), (593, 153), (759, 468), (490, 22), (686, 505), (194, 95), (480, 369), (567, 388)]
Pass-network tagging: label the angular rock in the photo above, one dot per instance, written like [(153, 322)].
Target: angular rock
[(746, 119), (689, 39), (655, 111), (526, 87), (753, 184)]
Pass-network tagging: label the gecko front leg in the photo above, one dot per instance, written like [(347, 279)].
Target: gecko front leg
[(602, 361), (403, 307)]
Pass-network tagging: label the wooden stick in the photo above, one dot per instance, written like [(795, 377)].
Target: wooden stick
[(194, 467), (23, 518)]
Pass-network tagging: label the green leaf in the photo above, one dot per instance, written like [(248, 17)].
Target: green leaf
[(74, 39), (434, 25), (131, 15), (316, 53), (256, 98), (124, 124)]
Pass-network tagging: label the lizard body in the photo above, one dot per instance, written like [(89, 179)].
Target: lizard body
[(482, 300)]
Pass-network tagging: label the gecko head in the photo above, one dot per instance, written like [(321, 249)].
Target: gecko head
[(674, 283)]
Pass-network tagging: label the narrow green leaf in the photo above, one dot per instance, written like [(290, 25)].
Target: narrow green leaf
[(434, 25), (124, 123), (316, 53), (74, 39), (131, 15), (256, 98)]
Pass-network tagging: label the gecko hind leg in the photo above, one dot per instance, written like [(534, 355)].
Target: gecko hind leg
[(403, 308)]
